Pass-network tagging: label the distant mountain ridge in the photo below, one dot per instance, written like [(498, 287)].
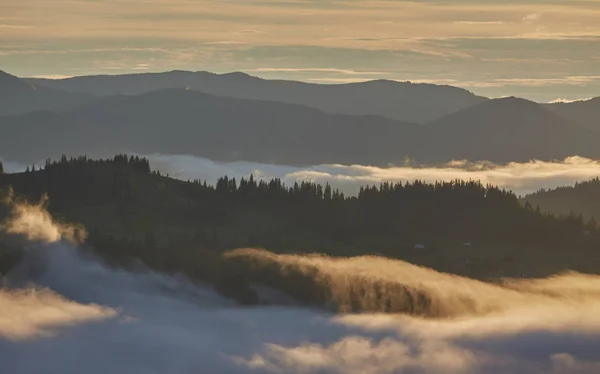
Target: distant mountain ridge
[(284, 122), (404, 101), (179, 121), (224, 129), (18, 96), (581, 198), (511, 129), (586, 113)]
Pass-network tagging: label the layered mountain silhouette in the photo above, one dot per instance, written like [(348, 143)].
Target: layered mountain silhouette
[(402, 101), (586, 113), (21, 96), (228, 129), (510, 129), (35, 136), (179, 121)]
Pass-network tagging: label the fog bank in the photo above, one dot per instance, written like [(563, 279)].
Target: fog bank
[(522, 178), (66, 313)]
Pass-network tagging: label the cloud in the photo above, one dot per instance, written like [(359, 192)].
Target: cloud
[(538, 82), (337, 80), (522, 178), (78, 313), (36, 224), (53, 76), (576, 80), (70, 312), (225, 42), (560, 100), (532, 17), (433, 40), (31, 314), (478, 23), (327, 70), (5, 26)]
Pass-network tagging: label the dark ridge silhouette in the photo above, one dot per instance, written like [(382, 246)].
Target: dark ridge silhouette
[(178, 121), (182, 121), (33, 136), (586, 113), (581, 198), (510, 129), (402, 101), (20, 96)]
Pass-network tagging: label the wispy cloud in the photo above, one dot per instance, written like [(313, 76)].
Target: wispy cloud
[(541, 82), (5, 26), (53, 76), (326, 70), (478, 23), (566, 101), (225, 42), (422, 39), (337, 80), (532, 17)]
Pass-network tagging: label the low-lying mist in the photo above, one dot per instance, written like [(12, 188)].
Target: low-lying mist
[(522, 178), (65, 312)]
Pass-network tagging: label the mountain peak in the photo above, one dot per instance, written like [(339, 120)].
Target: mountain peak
[(514, 100), (511, 104), (9, 84), (6, 77)]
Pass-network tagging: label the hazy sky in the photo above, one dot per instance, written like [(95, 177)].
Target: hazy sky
[(540, 49)]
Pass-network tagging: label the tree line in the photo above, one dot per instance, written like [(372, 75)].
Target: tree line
[(582, 198)]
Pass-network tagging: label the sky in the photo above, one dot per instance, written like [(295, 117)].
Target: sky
[(539, 49)]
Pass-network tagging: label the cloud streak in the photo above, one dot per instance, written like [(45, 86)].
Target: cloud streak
[(310, 70), (437, 30)]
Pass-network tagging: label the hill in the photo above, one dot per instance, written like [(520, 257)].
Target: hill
[(403, 101), (586, 113), (131, 212), (582, 198), (34, 136), (19, 96), (507, 130), (224, 129), (179, 121)]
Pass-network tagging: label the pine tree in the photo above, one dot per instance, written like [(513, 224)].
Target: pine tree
[(327, 192)]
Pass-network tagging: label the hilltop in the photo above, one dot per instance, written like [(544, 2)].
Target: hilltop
[(18, 96)]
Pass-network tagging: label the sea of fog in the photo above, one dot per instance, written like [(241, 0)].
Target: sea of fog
[(522, 178), (62, 312)]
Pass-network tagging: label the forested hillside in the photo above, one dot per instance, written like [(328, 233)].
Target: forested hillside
[(461, 227), (582, 198)]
